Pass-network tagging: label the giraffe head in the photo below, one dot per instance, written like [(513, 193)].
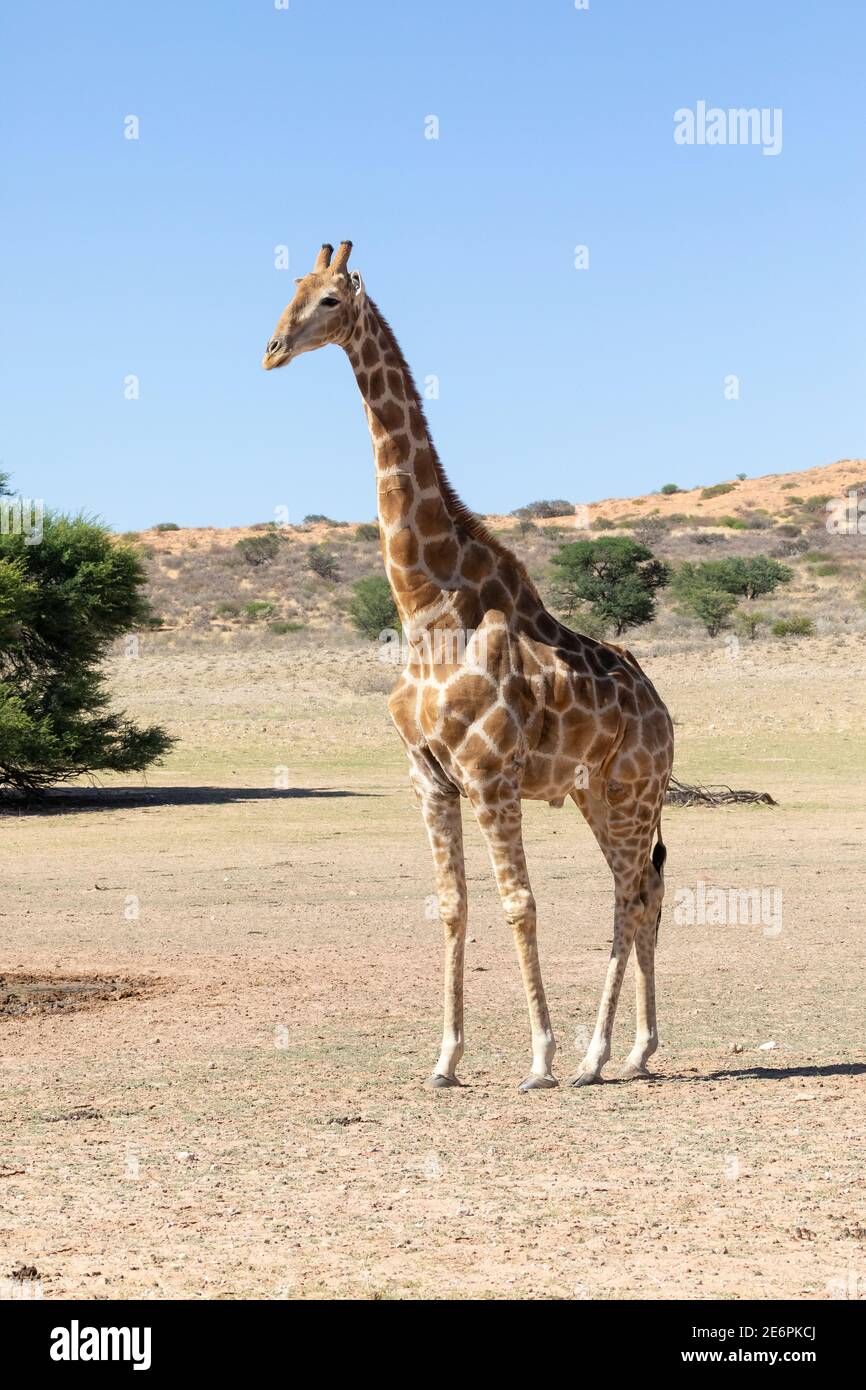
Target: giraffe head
[(324, 310)]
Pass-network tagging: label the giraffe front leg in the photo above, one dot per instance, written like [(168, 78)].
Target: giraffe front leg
[(500, 825), (441, 813)]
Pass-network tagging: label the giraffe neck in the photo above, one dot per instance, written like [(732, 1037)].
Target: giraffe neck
[(424, 528)]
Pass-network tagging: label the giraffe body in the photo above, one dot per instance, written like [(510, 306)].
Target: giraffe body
[(499, 702)]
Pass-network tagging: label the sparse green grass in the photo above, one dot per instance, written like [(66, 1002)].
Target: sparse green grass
[(258, 608), (797, 625)]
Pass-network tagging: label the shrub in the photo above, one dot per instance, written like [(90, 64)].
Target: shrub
[(615, 577), (601, 523), (717, 489), (670, 488), (258, 608), (534, 510), (795, 545), (650, 530), (323, 561), (733, 523), (712, 607), (281, 628), (227, 610), (318, 519), (797, 625), (372, 608), (826, 567), (817, 502), (741, 477), (62, 603), (166, 526), (747, 621), (258, 550), (367, 531)]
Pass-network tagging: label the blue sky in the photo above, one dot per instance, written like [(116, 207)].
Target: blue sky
[(261, 127)]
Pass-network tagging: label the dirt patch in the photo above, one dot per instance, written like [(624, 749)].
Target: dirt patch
[(83, 1112), (24, 995)]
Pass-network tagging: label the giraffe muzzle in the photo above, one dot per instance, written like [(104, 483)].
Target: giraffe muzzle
[(277, 354)]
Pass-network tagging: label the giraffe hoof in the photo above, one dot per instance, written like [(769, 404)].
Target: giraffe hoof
[(438, 1081), (632, 1071), (585, 1078), (538, 1083)]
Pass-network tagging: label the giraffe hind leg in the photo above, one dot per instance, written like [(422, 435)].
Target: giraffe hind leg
[(624, 833), (646, 1027)]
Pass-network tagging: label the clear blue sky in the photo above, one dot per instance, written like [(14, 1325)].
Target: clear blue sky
[(260, 127)]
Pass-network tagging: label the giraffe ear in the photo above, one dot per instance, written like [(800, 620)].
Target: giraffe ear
[(357, 283)]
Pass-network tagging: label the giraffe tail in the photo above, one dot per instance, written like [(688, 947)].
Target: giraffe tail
[(660, 852), (659, 855)]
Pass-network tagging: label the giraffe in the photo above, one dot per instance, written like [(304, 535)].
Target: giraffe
[(499, 702)]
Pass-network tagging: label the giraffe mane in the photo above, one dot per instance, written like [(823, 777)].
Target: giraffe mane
[(464, 516)]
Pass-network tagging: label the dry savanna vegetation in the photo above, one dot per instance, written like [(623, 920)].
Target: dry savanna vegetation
[(269, 581)]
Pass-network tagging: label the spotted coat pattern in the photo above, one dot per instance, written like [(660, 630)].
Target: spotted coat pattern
[(499, 702)]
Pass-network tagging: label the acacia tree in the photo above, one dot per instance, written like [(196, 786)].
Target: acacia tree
[(63, 601), (745, 576), (615, 577), (709, 591)]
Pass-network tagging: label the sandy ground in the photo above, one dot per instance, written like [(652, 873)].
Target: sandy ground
[(252, 1123)]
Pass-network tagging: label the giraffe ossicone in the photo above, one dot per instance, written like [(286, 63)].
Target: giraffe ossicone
[(498, 702)]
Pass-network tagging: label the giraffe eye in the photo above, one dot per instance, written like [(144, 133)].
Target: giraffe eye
[(329, 302)]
